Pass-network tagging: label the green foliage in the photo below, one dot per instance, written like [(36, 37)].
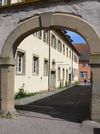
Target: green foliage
[(22, 93)]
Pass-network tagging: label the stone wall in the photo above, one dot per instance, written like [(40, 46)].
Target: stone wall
[(11, 16)]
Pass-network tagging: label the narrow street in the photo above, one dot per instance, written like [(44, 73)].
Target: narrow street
[(72, 104)]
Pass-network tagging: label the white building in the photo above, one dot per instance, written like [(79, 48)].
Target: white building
[(5, 2), (32, 61)]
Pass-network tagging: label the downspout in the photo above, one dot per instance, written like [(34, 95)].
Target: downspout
[(49, 70)]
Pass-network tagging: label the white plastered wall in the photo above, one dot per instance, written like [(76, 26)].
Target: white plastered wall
[(34, 46)]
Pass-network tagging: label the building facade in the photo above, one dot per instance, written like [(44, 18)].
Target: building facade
[(43, 58), (7, 2), (84, 67)]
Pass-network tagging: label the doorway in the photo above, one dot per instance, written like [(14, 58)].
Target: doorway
[(53, 80)]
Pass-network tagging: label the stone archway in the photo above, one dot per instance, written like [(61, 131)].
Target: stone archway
[(46, 20)]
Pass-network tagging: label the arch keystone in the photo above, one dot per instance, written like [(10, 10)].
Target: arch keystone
[(46, 19)]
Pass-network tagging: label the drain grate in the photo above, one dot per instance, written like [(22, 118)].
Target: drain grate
[(96, 130)]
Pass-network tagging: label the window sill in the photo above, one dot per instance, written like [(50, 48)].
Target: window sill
[(35, 74), (20, 74)]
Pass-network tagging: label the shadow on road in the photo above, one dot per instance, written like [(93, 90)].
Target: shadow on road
[(73, 104)]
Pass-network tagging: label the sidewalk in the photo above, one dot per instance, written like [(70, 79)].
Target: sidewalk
[(34, 123), (39, 123)]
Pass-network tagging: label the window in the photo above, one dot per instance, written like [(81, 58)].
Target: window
[(59, 48), (70, 54), (45, 67), (63, 49), (20, 62), (83, 75), (66, 51), (63, 73), (75, 59), (36, 34), (40, 34), (45, 36), (85, 65), (75, 72), (66, 74), (59, 73), (53, 41), (5, 2), (35, 65)]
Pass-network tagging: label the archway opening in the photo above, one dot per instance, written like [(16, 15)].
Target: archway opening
[(63, 59), (54, 20)]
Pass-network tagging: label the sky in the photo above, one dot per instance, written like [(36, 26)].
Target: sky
[(75, 37)]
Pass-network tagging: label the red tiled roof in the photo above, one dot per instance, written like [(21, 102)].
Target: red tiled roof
[(84, 51)]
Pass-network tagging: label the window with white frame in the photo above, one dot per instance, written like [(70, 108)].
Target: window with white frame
[(75, 59), (63, 49), (83, 74), (40, 34), (45, 36), (53, 41), (66, 51), (45, 67), (36, 34), (35, 66), (5, 2), (20, 62), (63, 73), (59, 48), (66, 74), (70, 54), (59, 73)]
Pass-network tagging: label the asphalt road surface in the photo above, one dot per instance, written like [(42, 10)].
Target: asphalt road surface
[(73, 104)]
